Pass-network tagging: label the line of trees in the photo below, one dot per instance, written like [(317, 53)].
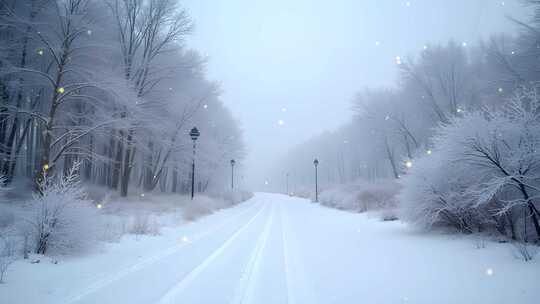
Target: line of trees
[(109, 84), (455, 89)]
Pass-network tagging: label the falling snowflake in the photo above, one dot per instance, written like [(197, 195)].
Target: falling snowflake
[(408, 164)]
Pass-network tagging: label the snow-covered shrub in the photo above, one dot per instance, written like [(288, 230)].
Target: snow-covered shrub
[(361, 196), (7, 217), (144, 224), (7, 254), (525, 251), (484, 169), (60, 218), (235, 197), (201, 205)]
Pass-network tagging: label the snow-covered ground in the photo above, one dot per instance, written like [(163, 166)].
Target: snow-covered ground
[(279, 249)]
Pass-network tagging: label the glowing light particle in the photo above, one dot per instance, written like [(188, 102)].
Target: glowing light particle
[(46, 167), (281, 122), (500, 90), (40, 52), (408, 164), (205, 106), (61, 90), (99, 206), (489, 272), (429, 152)]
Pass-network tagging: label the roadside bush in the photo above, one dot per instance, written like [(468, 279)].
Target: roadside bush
[(60, 219), (7, 254), (362, 196), (484, 172)]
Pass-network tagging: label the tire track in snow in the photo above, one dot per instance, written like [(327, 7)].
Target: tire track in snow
[(298, 286), (290, 297), (97, 285), (173, 294), (246, 286)]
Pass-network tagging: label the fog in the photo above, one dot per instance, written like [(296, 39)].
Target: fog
[(289, 69), (180, 141)]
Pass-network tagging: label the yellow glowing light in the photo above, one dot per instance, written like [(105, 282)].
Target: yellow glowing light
[(46, 167), (408, 164), (99, 206), (60, 90)]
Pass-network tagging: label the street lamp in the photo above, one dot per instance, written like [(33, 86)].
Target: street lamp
[(232, 173), (194, 133), (287, 181), (316, 164)]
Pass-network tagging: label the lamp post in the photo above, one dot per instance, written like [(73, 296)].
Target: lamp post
[(233, 162), (288, 193), (316, 164), (194, 133)]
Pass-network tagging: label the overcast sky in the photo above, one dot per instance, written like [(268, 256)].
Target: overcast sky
[(289, 68)]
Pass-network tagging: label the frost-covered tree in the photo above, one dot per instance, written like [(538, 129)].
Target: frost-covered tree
[(109, 84)]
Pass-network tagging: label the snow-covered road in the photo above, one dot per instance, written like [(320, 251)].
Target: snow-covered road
[(278, 249)]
